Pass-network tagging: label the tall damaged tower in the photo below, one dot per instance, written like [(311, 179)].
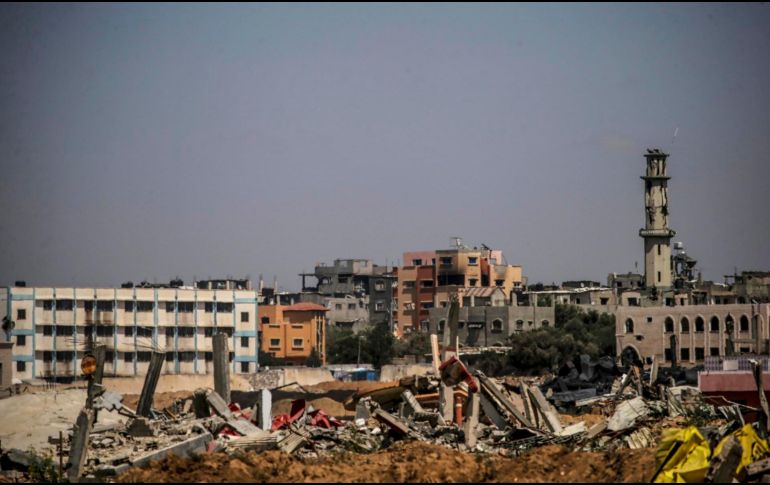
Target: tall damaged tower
[(656, 233)]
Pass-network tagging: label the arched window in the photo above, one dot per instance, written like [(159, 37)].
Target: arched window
[(497, 325), (519, 324), (629, 326), (669, 324), (744, 323), (685, 325), (545, 323), (715, 324), (441, 325), (699, 325)]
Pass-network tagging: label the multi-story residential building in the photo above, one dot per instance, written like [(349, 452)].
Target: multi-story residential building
[(291, 333), (357, 293), (427, 279), (488, 318), (53, 327)]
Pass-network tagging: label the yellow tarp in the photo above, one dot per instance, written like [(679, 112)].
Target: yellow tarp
[(689, 463), (754, 447), (686, 464)]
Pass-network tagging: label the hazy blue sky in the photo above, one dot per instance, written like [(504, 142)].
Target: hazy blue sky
[(150, 141)]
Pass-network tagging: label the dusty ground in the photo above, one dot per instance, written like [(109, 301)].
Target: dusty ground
[(406, 462), (28, 419)]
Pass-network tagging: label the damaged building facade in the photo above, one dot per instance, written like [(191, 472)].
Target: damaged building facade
[(51, 328), (357, 293), (427, 279), (674, 315)]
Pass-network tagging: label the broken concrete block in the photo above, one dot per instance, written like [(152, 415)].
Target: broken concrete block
[(395, 424), (185, 448), (219, 405), (627, 413), (140, 427)]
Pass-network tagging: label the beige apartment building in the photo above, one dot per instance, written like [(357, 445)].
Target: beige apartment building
[(427, 279), (53, 328)]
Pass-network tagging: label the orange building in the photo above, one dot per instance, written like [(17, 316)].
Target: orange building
[(292, 332)]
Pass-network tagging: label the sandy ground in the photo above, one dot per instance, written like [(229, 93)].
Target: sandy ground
[(29, 419), (406, 462)]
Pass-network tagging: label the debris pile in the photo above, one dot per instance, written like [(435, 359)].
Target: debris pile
[(588, 407)]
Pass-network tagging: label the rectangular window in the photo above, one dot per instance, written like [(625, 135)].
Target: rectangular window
[(208, 331), (185, 332), (473, 261), (351, 306), (658, 276), (21, 366), (498, 282), (472, 281), (128, 306), (275, 342), (64, 356), (244, 367), (47, 356), (245, 342), (169, 356), (379, 306), (715, 351), (144, 332), (105, 305), (143, 356), (170, 332), (685, 354), (417, 262), (21, 314), (21, 340), (297, 343), (244, 317), (145, 306), (184, 306), (408, 285), (48, 330), (223, 307), (128, 356), (446, 261), (604, 301), (170, 307), (104, 331), (109, 356), (209, 307), (88, 306), (667, 355), (47, 305), (427, 305), (63, 305), (338, 306), (426, 283), (379, 285), (128, 331)]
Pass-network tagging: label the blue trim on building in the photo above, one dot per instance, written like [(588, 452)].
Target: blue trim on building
[(245, 358), (55, 333), (19, 297), (115, 331), (244, 300), (176, 331), (23, 358), (34, 336), (22, 331), (245, 333), (195, 340)]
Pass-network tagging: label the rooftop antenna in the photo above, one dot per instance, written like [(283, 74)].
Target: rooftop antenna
[(673, 139)]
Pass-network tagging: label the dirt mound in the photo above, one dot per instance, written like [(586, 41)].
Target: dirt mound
[(328, 405), (405, 462), (160, 400), (361, 386)]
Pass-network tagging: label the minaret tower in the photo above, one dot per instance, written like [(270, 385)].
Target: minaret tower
[(656, 233)]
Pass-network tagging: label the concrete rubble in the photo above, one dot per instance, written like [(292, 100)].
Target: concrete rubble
[(501, 416)]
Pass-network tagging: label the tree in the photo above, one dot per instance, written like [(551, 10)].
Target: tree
[(314, 359), (417, 343)]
